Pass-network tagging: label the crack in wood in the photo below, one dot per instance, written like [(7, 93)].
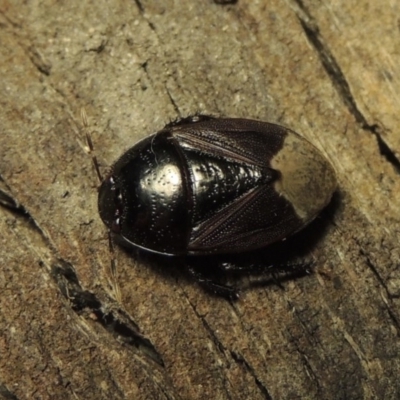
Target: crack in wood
[(116, 322), (239, 359), (340, 82)]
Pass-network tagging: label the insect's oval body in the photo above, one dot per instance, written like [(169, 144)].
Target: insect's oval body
[(207, 186)]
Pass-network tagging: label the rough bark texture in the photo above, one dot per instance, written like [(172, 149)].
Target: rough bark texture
[(329, 70)]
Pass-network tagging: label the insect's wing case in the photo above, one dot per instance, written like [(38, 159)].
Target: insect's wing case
[(268, 210)]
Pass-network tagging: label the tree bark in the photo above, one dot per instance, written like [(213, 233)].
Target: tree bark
[(70, 327)]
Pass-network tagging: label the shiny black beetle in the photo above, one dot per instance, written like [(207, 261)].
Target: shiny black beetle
[(207, 185)]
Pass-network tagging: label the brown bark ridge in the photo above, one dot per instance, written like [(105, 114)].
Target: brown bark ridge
[(328, 70)]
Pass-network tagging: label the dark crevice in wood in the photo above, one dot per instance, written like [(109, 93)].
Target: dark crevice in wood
[(394, 319), (225, 2), (242, 361), (139, 6), (176, 108), (8, 202), (373, 269), (340, 83), (115, 322), (385, 150), (391, 313), (313, 342), (37, 60), (98, 49), (218, 345), (5, 394)]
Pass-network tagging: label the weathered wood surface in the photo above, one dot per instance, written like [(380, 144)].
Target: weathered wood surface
[(328, 70)]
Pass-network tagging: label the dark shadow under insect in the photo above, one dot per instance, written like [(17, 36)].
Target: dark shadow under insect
[(227, 275)]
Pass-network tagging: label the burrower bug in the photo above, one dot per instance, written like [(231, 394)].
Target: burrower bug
[(204, 186)]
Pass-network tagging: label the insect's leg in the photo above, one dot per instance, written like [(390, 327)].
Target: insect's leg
[(89, 143), (266, 268), (228, 292), (91, 152), (276, 272), (192, 119), (113, 269)]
